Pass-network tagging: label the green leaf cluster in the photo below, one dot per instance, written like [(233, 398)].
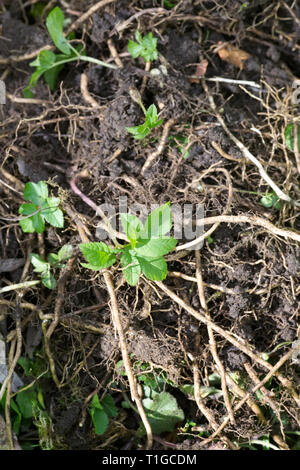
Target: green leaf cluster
[(101, 412), (144, 47), (270, 200), (41, 208), (50, 64), (145, 252), (151, 121), (53, 261)]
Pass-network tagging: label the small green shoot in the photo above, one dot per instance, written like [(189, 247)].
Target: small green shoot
[(151, 121), (50, 64), (289, 136), (41, 208), (53, 261), (144, 47), (145, 252), (101, 412), (270, 200)]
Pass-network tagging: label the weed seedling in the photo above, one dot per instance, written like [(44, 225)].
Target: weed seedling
[(151, 118), (145, 252), (144, 47), (53, 261), (50, 64), (289, 136), (270, 200), (41, 208)]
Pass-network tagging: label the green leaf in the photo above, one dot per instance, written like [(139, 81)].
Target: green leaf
[(109, 406), (133, 271), (134, 49), (151, 115), (100, 420), (53, 259), (155, 247), (154, 269), (132, 226), (99, 416), (163, 412), (45, 59), (51, 213), (289, 136), (31, 224), (40, 265), (65, 252), (139, 132), (55, 23), (98, 254), (158, 223), (51, 76), (25, 400), (145, 47), (49, 281), (36, 192)]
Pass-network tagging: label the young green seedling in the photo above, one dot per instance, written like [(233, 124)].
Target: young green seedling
[(53, 261), (50, 64), (270, 200), (151, 118), (41, 208), (145, 252), (144, 47)]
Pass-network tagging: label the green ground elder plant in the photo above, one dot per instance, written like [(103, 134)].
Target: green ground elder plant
[(50, 64), (144, 47), (145, 252), (39, 209), (44, 268)]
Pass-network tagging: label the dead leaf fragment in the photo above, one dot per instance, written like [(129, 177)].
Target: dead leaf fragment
[(231, 54)]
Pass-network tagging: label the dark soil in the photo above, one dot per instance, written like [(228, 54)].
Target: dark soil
[(256, 273)]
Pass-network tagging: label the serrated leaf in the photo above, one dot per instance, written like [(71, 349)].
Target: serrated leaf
[(133, 271), (36, 192), (155, 247), (151, 115), (158, 223), (109, 406), (65, 252), (55, 23), (98, 254), (154, 269), (163, 412)]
